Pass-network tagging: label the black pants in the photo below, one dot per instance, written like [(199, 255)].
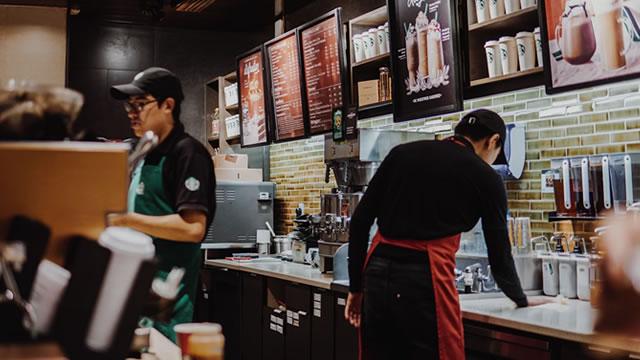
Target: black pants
[(399, 314)]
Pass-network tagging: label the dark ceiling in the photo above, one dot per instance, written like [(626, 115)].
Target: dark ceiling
[(230, 15)]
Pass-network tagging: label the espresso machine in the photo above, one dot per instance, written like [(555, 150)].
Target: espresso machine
[(353, 163)]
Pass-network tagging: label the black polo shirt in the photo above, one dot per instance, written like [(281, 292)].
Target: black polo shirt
[(430, 190)]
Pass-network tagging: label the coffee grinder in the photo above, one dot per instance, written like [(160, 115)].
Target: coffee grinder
[(353, 163)]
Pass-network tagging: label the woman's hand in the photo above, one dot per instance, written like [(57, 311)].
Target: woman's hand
[(353, 309)]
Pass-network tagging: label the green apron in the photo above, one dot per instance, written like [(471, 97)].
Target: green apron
[(147, 196)]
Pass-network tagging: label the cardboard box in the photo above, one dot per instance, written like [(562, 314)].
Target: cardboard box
[(231, 161), (238, 174), (368, 92)]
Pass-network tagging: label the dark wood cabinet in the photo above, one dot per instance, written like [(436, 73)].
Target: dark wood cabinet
[(273, 334), (298, 322), (253, 300), (322, 329), (346, 336), (226, 309)]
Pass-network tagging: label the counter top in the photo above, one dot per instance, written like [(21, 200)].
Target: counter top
[(572, 320), (298, 273)]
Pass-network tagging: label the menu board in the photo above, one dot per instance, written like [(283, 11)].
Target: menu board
[(589, 43), (283, 67), (251, 85), (322, 63), (424, 61)]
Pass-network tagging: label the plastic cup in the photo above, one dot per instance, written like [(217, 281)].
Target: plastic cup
[(186, 330)]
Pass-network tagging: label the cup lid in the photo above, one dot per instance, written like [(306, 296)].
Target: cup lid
[(491, 43), (127, 240), (523, 34), (198, 328), (381, 27), (536, 30), (373, 30), (506, 38)]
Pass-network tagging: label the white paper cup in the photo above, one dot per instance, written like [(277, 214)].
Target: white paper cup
[(494, 62), (482, 10), (526, 50), (381, 38), (48, 287), (386, 34), (538, 38), (472, 18), (367, 43), (184, 331), (358, 48), (528, 3), (511, 6), (496, 8), (263, 236), (508, 55), (373, 42), (128, 249)]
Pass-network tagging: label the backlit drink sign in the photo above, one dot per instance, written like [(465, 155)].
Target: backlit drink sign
[(590, 42), (251, 85), (425, 74)]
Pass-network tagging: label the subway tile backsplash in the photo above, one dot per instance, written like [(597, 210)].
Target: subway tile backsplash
[(585, 122)]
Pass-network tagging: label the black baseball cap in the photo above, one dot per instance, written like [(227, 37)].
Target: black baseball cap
[(158, 82), (492, 122)]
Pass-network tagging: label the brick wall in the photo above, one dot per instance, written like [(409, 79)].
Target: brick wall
[(590, 121)]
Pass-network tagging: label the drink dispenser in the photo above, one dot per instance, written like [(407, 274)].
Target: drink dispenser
[(625, 180), (565, 199), (581, 187), (601, 183)]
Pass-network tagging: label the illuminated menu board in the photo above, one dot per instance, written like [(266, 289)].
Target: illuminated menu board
[(251, 85), (283, 64), (321, 55)]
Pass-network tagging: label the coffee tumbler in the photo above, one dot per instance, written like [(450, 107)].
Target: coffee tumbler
[(508, 55), (526, 50), (358, 48), (538, 38), (472, 18), (496, 8), (511, 6), (373, 41), (381, 37), (482, 10), (494, 62)]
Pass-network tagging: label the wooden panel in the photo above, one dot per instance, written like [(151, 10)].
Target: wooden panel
[(68, 186)]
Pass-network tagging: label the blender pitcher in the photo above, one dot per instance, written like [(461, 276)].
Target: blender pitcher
[(601, 183), (581, 187), (562, 188), (625, 180)]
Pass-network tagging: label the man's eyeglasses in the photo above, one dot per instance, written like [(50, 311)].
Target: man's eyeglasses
[(137, 106)]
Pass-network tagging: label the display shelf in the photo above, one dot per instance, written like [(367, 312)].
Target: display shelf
[(376, 17), (231, 77), (507, 22), (554, 217), (383, 58), (232, 108), (519, 74), (376, 109)]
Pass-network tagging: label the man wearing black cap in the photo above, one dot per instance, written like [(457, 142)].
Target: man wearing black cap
[(423, 196), (172, 192)]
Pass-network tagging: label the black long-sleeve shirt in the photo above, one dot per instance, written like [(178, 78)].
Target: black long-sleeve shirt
[(431, 190)]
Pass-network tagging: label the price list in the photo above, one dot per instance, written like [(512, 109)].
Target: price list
[(285, 84), (323, 81)]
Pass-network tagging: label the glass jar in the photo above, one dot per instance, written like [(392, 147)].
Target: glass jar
[(384, 85)]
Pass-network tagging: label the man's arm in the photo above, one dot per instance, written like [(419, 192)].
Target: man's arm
[(494, 226), (188, 226)]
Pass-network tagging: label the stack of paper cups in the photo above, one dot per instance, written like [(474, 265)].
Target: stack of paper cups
[(494, 62), (526, 50), (358, 48), (381, 38), (373, 33), (472, 18), (511, 6), (496, 8), (482, 10), (508, 54), (536, 34), (529, 3), (129, 249)]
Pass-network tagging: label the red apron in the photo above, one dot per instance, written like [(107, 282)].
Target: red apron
[(442, 261)]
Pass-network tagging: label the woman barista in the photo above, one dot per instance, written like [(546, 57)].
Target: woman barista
[(172, 192), (424, 195)]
